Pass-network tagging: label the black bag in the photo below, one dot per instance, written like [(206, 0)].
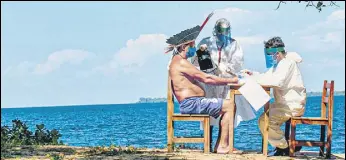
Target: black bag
[(204, 59)]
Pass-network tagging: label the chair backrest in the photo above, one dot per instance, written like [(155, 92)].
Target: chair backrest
[(170, 104), (327, 100)]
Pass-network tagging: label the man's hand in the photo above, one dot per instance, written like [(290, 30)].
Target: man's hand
[(234, 80), (246, 71)]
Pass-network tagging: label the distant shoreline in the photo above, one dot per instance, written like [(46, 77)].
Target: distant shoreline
[(161, 100), (148, 100)]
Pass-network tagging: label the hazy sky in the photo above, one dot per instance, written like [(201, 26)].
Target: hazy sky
[(66, 53)]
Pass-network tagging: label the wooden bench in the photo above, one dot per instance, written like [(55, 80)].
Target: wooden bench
[(171, 117), (323, 121)]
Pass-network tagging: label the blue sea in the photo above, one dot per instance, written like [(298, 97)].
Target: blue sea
[(144, 125)]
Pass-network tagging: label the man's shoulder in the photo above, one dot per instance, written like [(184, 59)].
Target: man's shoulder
[(179, 62), (289, 61), (234, 41)]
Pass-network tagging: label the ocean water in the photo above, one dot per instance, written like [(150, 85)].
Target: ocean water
[(144, 125)]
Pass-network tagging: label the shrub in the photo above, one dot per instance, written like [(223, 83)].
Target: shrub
[(20, 135)]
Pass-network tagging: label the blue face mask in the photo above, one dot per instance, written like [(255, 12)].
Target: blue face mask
[(223, 38), (191, 52)]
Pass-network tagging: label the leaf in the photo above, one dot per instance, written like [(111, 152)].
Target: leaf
[(40, 126), (319, 4)]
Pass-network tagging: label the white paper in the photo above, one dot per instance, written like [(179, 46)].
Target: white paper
[(254, 94)]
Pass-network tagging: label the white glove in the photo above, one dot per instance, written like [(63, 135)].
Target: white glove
[(203, 47), (245, 71)]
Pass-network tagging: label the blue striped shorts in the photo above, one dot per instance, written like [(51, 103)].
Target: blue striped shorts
[(201, 105)]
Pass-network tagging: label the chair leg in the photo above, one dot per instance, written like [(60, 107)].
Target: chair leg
[(329, 142), (211, 138), (292, 139), (322, 139), (287, 130), (170, 135), (206, 135)]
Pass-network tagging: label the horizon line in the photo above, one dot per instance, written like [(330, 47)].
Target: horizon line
[(103, 104)]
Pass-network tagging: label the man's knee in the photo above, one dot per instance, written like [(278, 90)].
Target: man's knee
[(227, 106), (225, 118)]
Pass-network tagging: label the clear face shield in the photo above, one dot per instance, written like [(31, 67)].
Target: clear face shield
[(223, 33), (271, 56)]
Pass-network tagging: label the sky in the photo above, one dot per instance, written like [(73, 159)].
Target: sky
[(76, 53)]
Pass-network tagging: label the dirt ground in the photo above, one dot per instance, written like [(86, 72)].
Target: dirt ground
[(130, 153)]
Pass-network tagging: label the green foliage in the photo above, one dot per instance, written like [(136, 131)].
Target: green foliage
[(44, 136), (20, 135), (56, 156), (113, 150)]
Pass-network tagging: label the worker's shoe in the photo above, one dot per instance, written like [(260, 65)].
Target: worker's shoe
[(281, 152), (285, 152)]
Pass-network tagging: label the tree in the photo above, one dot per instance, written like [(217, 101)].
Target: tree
[(318, 6)]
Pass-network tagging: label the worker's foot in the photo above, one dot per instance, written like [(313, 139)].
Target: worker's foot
[(224, 150)]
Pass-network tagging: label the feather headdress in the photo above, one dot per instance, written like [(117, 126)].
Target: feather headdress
[(184, 37)]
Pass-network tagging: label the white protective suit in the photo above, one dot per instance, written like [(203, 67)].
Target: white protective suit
[(289, 95), (232, 60)]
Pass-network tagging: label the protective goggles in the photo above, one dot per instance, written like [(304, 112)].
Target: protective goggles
[(224, 31), (273, 51)]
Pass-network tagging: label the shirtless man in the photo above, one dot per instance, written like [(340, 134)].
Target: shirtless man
[(191, 96)]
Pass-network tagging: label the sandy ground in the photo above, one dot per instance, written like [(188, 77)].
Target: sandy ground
[(130, 153)]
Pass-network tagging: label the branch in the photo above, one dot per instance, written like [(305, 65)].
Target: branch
[(307, 5), (279, 4), (311, 3), (332, 3)]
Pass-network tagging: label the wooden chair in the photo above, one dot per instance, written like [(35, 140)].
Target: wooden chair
[(324, 120), (171, 117)]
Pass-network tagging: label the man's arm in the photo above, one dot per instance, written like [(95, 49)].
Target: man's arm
[(192, 71), (278, 77)]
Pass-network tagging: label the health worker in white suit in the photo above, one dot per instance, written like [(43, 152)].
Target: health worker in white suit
[(221, 55), (289, 91)]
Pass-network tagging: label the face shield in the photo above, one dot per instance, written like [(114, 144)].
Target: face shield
[(222, 30), (270, 56)]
